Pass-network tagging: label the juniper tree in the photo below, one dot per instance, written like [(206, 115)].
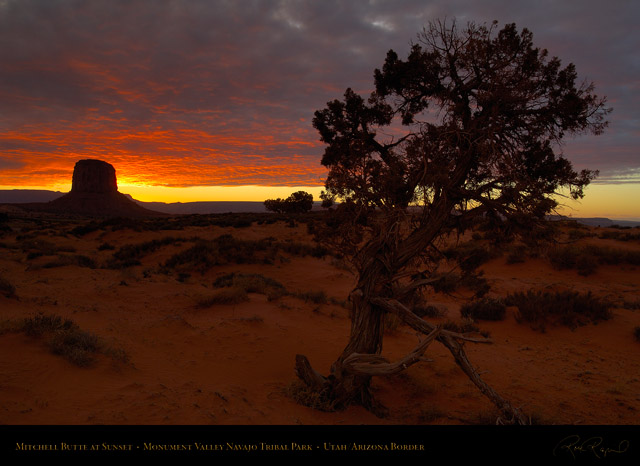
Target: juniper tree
[(298, 202), (470, 125)]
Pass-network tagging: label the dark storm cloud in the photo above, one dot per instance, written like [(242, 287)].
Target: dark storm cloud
[(227, 84)]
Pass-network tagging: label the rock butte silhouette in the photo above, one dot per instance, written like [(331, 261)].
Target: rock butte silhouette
[(94, 192)]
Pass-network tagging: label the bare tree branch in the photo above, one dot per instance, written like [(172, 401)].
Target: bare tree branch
[(372, 364)]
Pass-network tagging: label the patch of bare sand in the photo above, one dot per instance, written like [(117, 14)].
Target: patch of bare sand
[(233, 363)]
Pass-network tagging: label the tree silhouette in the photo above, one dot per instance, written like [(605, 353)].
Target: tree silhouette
[(468, 127), (298, 202)]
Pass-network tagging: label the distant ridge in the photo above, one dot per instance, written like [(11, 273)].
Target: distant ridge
[(203, 207), (598, 221), (209, 207), (22, 196)]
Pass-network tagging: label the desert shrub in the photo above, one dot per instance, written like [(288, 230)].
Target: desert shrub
[(252, 283), (6, 288), (613, 256), (449, 282), (636, 333), (75, 345), (430, 414), (234, 295), (316, 297), (516, 254), (182, 277), (586, 264), (539, 235), (227, 249), (619, 236), (469, 255), (65, 338), (586, 259), (446, 283), (476, 282), (82, 230), (78, 260), (106, 247), (484, 309), (242, 223), (40, 324), (572, 257), (222, 250), (130, 254), (466, 326), (122, 223), (564, 257), (299, 392), (427, 311), (39, 247), (576, 234), (301, 249), (632, 305), (572, 309)]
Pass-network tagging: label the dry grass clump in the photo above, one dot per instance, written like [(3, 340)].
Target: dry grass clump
[(65, 338), (484, 309), (572, 309)]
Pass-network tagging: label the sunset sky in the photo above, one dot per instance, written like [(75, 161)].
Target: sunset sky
[(195, 100)]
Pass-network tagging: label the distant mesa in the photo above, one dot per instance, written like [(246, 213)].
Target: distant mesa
[(94, 176), (94, 193)]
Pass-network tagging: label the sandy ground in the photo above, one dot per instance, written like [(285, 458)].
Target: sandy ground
[(233, 364)]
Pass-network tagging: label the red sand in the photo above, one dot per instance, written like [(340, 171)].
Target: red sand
[(232, 364)]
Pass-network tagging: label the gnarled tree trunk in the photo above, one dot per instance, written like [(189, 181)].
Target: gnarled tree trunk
[(344, 386), (350, 377)]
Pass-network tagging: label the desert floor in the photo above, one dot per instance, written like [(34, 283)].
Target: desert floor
[(174, 361)]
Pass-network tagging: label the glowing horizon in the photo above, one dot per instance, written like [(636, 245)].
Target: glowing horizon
[(602, 200)]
